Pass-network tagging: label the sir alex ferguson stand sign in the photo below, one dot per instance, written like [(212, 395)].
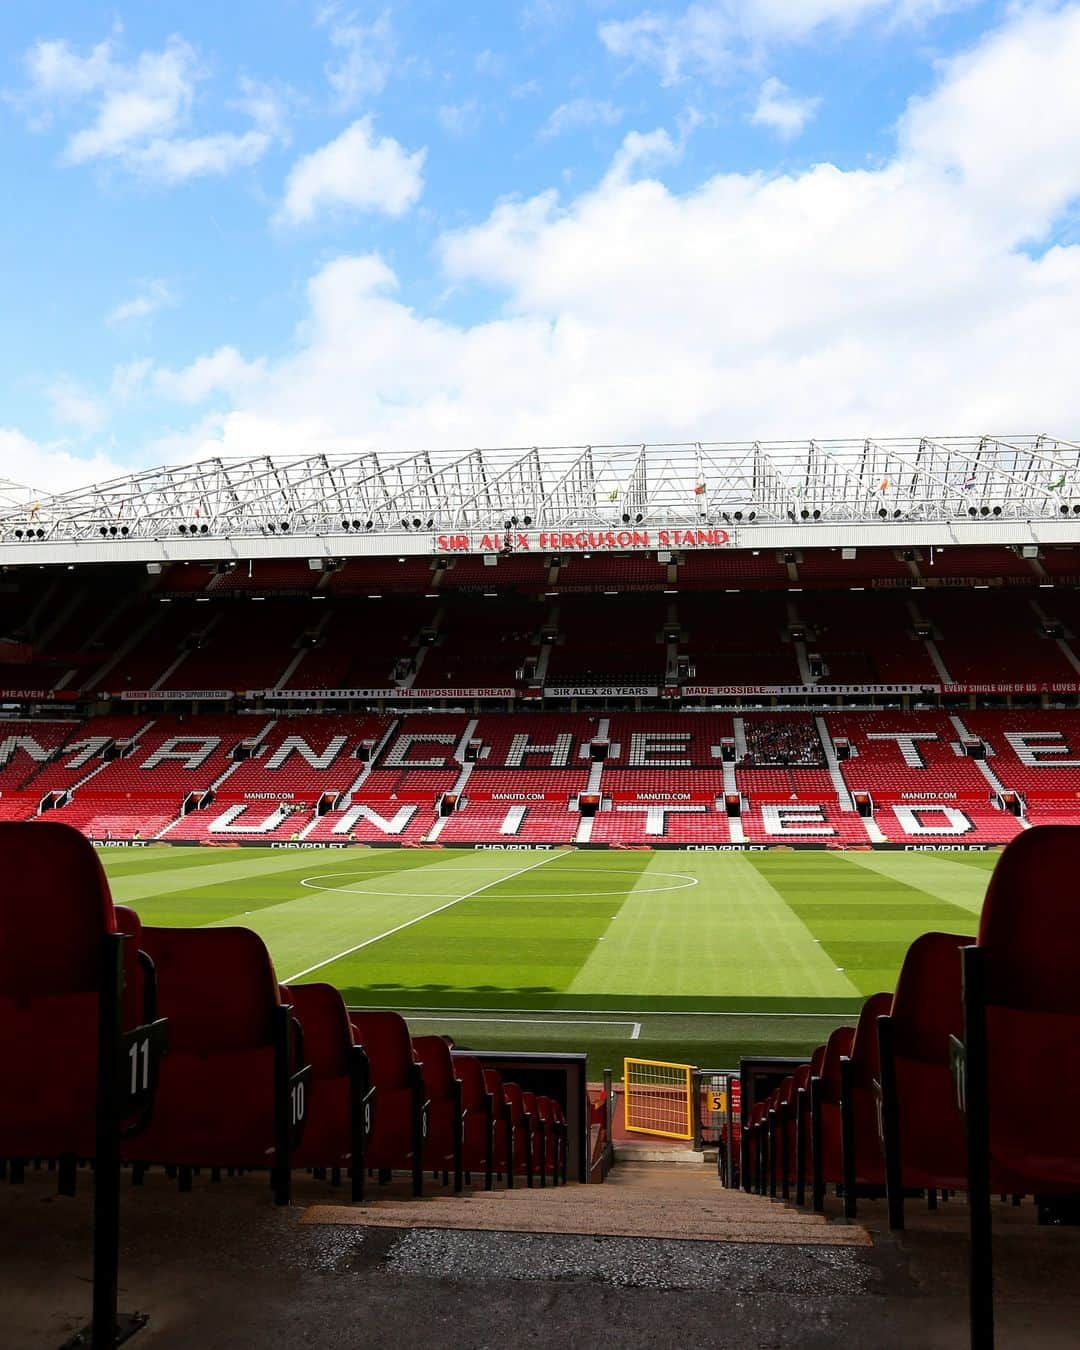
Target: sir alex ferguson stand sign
[(581, 541)]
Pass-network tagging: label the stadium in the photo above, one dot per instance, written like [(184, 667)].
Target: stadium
[(660, 759)]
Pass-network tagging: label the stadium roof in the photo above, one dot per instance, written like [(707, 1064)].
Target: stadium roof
[(951, 490)]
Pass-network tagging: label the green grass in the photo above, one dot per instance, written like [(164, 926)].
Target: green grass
[(697, 957)]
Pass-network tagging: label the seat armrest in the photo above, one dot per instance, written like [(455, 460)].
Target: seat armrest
[(958, 1065)]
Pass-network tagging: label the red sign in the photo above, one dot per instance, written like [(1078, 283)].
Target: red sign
[(581, 541)]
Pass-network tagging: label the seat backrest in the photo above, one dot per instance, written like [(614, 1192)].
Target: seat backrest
[(800, 1079), (385, 1038), (786, 1091), (55, 908), (838, 1044), (817, 1059), (433, 1054), (927, 1007), (864, 1053), (493, 1083), (1030, 925), (473, 1091), (216, 986), (515, 1100), (324, 1020)]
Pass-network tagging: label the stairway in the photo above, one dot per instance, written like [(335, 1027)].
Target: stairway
[(684, 1203)]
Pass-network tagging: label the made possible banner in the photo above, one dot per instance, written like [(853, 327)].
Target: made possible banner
[(426, 695), (780, 690)]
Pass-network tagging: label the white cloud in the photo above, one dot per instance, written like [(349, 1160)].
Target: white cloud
[(781, 110), (140, 110), (130, 378), (581, 112), (460, 118), (48, 468), (75, 407), (359, 171), (711, 36), (222, 372), (366, 55), (152, 296), (490, 63), (888, 300)]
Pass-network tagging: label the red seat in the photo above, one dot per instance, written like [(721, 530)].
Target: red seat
[(443, 1140), (922, 1133), (55, 912), (478, 1106), (864, 1166), (400, 1102), (803, 1078), (756, 1145), (826, 1158), (781, 1158), (340, 1110), (547, 1128), (516, 1134), (1021, 1040), (77, 1066), (233, 1088), (534, 1131)]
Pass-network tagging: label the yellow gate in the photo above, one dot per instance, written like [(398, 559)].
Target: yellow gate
[(658, 1098)]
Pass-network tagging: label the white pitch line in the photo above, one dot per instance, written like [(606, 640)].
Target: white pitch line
[(421, 917), (540, 1022), (661, 1012)]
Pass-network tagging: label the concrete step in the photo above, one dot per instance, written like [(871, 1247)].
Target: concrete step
[(674, 1201)]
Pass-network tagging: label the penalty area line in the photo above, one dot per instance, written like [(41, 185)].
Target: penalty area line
[(421, 917)]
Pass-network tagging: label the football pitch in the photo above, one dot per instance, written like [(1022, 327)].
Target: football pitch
[(696, 957)]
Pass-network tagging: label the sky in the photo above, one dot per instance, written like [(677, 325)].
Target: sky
[(307, 225)]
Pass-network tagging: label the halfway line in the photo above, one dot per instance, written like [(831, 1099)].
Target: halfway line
[(421, 917)]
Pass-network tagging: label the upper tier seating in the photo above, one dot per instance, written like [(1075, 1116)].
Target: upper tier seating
[(865, 638), (244, 645), (738, 639), (992, 635), (829, 567), (483, 641), (345, 655), (609, 639)]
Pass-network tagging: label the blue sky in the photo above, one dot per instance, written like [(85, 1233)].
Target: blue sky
[(296, 224)]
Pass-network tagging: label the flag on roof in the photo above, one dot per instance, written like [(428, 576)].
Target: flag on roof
[(1056, 487), (613, 495), (884, 485), (699, 488), (970, 481)]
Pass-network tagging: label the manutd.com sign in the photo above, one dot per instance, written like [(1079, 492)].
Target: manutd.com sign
[(580, 541)]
